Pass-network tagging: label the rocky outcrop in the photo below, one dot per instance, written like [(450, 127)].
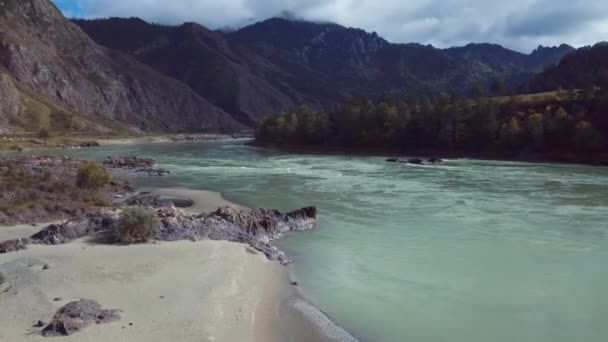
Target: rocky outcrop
[(255, 227), (13, 245), (76, 316), (138, 165), (148, 201), (94, 223), (268, 224), (129, 162)]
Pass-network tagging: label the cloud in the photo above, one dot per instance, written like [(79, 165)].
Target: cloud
[(518, 24)]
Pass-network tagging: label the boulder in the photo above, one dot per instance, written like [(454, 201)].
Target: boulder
[(435, 160), (13, 245), (392, 160), (130, 162), (416, 161), (92, 224), (76, 316)]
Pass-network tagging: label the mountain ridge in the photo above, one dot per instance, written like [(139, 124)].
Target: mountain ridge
[(129, 74)]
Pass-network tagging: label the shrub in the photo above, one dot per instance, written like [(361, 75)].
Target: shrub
[(92, 176), (44, 134), (135, 225), (1, 279)]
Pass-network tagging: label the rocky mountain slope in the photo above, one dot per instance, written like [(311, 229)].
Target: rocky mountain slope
[(50, 69), (364, 63), (584, 68), (236, 79)]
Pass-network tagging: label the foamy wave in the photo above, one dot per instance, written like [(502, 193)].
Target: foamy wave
[(321, 321)]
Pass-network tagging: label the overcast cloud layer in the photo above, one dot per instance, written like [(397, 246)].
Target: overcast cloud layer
[(518, 24)]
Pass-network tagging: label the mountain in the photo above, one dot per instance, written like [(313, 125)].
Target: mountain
[(232, 77), (364, 63), (127, 74), (583, 68), (277, 64), (51, 71)]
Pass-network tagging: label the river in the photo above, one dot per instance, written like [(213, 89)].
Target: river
[(464, 251)]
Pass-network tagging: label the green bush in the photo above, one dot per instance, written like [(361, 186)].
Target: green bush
[(92, 176), (135, 225)]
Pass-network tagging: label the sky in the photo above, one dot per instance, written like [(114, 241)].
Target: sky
[(517, 24)]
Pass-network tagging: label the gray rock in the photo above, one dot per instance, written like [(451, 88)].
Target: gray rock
[(255, 227), (76, 316), (13, 245), (416, 161)]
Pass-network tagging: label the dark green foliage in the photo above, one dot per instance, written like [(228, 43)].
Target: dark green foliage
[(63, 121), (498, 87), (559, 122), (40, 194), (44, 134), (135, 225), (92, 176)]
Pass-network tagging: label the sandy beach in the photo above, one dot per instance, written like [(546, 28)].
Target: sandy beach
[(180, 291)]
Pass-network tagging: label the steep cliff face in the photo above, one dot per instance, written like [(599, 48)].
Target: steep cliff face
[(54, 58), (10, 102)]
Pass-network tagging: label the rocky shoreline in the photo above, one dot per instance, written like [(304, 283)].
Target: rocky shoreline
[(256, 227)]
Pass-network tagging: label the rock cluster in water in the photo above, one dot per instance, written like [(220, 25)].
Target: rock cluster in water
[(416, 161), (136, 164)]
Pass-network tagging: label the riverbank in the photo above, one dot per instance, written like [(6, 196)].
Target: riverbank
[(599, 159), (25, 142), (227, 291)]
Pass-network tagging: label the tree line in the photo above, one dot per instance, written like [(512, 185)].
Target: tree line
[(560, 121)]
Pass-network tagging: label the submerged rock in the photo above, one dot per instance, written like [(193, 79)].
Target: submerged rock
[(154, 172), (416, 161), (76, 316)]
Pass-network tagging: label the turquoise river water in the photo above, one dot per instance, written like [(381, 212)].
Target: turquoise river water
[(465, 251)]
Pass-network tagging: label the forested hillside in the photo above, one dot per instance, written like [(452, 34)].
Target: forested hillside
[(556, 124)]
